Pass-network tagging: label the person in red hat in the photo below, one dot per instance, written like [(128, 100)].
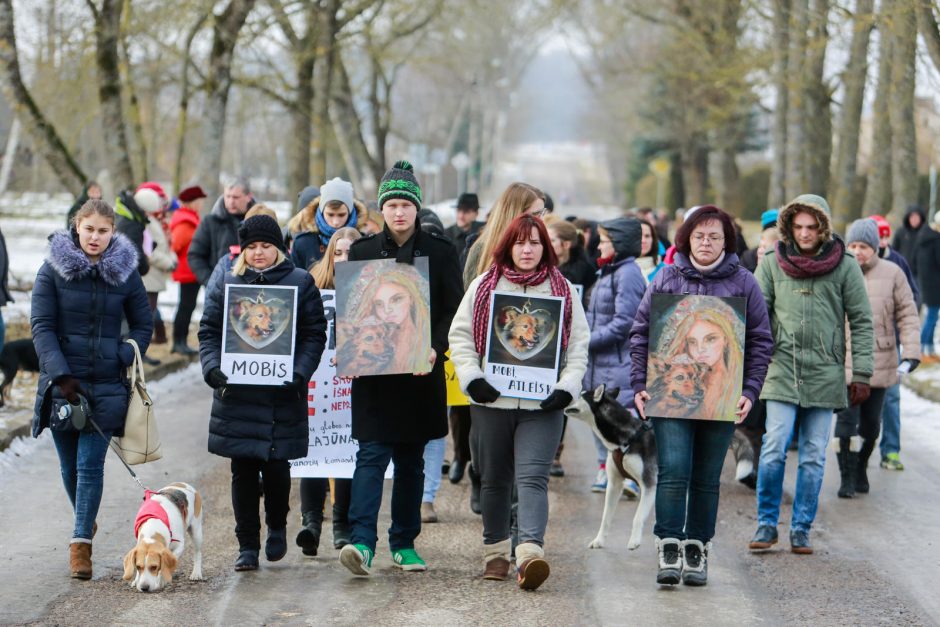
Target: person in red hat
[(182, 226)]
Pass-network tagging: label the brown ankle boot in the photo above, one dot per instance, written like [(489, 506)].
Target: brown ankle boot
[(80, 560)]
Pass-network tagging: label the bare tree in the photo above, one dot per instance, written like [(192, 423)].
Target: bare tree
[(878, 191), (796, 181), (927, 25), (901, 108), (44, 135), (817, 112), (781, 42), (185, 93)]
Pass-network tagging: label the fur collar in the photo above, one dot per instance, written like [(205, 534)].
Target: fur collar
[(117, 262)]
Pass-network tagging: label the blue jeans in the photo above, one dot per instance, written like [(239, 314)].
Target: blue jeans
[(81, 462), (691, 454), (891, 421), (930, 325), (371, 462), (815, 426), (433, 460)]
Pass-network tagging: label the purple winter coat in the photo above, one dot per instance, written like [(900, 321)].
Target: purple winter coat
[(614, 301), (728, 279)]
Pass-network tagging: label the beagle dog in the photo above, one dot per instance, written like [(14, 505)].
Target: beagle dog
[(162, 521)]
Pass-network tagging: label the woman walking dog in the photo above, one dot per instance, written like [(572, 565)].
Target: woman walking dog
[(86, 286)]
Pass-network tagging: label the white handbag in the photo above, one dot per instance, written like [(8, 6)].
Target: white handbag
[(141, 441)]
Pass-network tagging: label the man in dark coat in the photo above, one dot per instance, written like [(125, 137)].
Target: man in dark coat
[(905, 239), (218, 231), (468, 208), (394, 416), (925, 264)]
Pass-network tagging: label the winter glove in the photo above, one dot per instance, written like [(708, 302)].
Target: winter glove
[(858, 393), (558, 399), (482, 392), (911, 365), (216, 378), (70, 388), (298, 386)]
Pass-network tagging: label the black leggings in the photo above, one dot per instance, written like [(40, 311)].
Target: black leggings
[(863, 420), (460, 431), (275, 475), (184, 312), (313, 493)]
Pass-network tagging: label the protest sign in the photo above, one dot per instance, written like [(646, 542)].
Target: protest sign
[(258, 335)]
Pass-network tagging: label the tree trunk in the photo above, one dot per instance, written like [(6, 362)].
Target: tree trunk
[(107, 33), (797, 67), (42, 133), (694, 157), (13, 142), (878, 190), (853, 80), (817, 111), (225, 29), (133, 103), (473, 145), (183, 121), (327, 29), (363, 170), (301, 115), (927, 25), (901, 109), (777, 194)]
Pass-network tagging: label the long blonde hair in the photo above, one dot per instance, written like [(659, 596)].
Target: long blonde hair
[(511, 204), (324, 271)]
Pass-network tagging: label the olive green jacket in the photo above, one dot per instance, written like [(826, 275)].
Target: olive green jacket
[(808, 317)]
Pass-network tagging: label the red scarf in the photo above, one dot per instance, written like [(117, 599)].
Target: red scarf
[(481, 305)]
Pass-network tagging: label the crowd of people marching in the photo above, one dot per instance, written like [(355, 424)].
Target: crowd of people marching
[(830, 322)]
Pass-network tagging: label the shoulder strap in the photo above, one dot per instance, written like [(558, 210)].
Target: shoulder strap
[(137, 367)]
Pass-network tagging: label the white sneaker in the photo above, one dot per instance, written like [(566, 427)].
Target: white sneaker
[(600, 481), (630, 489)]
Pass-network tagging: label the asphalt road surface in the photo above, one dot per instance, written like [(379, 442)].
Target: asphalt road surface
[(875, 558)]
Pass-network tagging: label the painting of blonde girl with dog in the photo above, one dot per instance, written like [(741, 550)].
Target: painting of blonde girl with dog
[(383, 318), (697, 368)]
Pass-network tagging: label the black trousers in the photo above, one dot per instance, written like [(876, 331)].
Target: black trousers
[(863, 420), (460, 432), (313, 493), (184, 312), (275, 475)]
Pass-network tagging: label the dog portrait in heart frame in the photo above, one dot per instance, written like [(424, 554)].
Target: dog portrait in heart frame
[(695, 367), (259, 320)]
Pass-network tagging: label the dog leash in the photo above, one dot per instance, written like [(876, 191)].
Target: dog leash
[(116, 452)]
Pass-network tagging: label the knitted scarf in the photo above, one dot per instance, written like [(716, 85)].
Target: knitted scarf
[(326, 231), (797, 266), (481, 305)]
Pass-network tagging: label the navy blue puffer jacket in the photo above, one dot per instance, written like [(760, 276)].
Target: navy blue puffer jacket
[(263, 421), (77, 309)]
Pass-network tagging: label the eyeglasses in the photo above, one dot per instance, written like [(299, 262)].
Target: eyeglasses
[(698, 238)]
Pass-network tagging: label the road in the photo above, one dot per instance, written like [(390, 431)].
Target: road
[(874, 564)]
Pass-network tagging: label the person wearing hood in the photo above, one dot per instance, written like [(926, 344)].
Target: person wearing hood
[(160, 256), (612, 307), (218, 231), (691, 452), (83, 292), (90, 191), (893, 309), (811, 284), (905, 240), (314, 225), (261, 427), (925, 264)]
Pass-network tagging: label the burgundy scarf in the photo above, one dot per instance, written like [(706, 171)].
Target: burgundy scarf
[(481, 305), (799, 267)]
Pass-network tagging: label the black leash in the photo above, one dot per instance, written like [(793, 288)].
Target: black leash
[(117, 452)]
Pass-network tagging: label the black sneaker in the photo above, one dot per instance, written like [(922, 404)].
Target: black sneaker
[(695, 562), (799, 542), (670, 561), (764, 538)]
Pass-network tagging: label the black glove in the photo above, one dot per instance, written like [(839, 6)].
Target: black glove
[(298, 386), (216, 378), (70, 388), (558, 399), (858, 393), (482, 392), (913, 364)]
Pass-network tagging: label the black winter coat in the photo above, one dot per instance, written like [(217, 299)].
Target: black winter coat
[(216, 233), (460, 237), (905, 238), (76, 316), (263, 421), (405, 407), (306, 250), (579, 270), (925, 264)]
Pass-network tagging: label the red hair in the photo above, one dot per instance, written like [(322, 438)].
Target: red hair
[(706, 213), (519, 230)]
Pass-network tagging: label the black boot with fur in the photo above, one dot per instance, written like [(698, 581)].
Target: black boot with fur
[(861, 474)]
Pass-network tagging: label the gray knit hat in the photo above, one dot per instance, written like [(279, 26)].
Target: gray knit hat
[(865, 231)]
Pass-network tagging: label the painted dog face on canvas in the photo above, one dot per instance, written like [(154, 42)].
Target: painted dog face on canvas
[(678, 387), (371, 347)]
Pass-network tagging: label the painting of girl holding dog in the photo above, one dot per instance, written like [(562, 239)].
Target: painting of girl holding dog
[(691, 452)]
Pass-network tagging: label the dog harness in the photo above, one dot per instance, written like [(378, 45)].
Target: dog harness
[(151, 509), (618, 453)]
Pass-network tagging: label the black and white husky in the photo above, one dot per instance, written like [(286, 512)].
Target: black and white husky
[(631, 452)]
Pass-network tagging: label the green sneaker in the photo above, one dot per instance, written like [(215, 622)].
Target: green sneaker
[(408, 559), (357, 558), (892, 461)]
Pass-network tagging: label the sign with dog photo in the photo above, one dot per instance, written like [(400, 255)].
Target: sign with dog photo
[(695, 367), (523, 344), (258, 335), (383, 317), (331, 449)]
